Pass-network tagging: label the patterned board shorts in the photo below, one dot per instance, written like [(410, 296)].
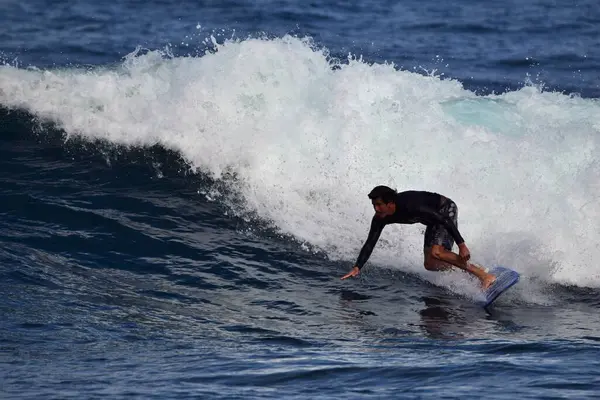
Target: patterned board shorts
[(438, 234)]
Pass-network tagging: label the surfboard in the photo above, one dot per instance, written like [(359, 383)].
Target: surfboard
[(505, 278)]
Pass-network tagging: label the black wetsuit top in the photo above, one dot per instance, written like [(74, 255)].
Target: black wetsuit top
[(411, 207)]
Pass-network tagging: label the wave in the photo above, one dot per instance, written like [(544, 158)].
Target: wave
[(302, 138)]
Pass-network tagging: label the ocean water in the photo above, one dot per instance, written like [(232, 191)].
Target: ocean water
[(182, 185)]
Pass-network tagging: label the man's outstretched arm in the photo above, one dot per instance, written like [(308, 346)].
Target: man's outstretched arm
[(377, 225)]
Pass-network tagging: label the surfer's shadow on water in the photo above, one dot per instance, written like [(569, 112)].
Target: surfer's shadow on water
[(503, 320), (441, 320), (456, 318), (390, 299)]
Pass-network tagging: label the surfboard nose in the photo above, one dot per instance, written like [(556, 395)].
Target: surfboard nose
[(505, 278)]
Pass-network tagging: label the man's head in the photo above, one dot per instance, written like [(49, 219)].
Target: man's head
[(382, 198)]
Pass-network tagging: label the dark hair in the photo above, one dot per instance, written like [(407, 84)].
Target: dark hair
[(384, 193)]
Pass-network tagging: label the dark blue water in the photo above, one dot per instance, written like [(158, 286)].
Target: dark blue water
[(183, 184)]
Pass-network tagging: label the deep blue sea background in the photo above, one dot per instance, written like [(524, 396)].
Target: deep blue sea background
[(183, 184)]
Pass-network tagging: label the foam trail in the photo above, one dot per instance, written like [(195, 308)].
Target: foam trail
[(308, 141)]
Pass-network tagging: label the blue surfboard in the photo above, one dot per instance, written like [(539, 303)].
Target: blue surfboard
[(505, 278)]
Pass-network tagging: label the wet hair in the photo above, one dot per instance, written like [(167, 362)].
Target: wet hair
[(386, 194)]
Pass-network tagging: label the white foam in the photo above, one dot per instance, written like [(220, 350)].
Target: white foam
[(308, 142)]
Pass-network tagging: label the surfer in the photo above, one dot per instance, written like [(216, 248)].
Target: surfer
[(435, 211)]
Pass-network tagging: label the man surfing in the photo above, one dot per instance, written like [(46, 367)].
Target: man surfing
[(433, 210)]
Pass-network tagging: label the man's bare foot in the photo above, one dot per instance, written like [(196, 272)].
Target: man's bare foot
[(487, 281)]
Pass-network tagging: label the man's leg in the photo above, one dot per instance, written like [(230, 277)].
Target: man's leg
[(436, 235), (433, 264), (438, 249), (440, 254)]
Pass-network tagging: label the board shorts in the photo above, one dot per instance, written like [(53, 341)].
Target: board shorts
[(438, 234)]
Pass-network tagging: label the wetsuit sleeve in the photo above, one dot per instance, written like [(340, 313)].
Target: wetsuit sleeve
[(377, 225), (443, 220)]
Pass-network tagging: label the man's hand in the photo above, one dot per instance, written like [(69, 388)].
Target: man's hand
[(463, 252), (355, 271)]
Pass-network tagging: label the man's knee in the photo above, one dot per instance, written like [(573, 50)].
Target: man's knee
[(430, 262), (430, 266), (437, 251)]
